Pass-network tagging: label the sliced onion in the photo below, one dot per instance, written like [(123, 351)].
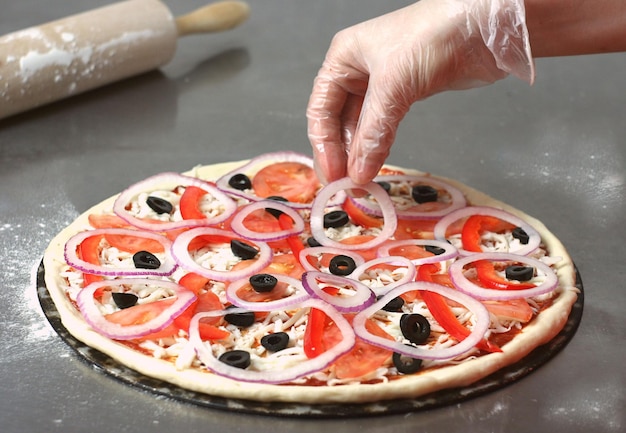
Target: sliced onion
[(450, 252), (313, 251), (478, 331), (362, 297), (279, 304), (238, 225), (442, 226), (255, 164), (180, 251), (300, 369), (90, 311), (71, 258), (464, 285), (169, 181), (398, 261), (457, 198), (320, 203)]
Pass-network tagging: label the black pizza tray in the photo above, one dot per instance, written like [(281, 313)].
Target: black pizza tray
[(503, 377)]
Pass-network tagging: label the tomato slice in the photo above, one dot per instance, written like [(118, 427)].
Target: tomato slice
[(294, 181), (415, 229), (359, 217), (515, 309), (478, 224), (132, 244), (98, 221)]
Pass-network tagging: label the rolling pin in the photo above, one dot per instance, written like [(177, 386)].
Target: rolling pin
[(62, 58)]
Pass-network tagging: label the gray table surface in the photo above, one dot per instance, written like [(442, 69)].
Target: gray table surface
[(556, 150)]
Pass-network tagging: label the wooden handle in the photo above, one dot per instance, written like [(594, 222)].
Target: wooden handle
[(216, 17)]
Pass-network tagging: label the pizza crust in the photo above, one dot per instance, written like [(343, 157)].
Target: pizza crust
[(543, 328)]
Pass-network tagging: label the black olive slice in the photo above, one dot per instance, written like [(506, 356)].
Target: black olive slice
[(124, 300), (263, 283), (394, 305), (424, 193), (341, 265), (243, 250), (275, 342), (159, 205), (240, 181), (277, 213), (244, 319), (385, 185), (146, 260), (236, 358), (521, 235), (406, 364), (336, 218), (312, 242), (434, 249), (415, 328), (519, 273)]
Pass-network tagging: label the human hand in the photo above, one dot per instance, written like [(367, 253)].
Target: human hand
[(375, 70)]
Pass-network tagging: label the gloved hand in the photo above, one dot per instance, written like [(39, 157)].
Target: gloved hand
[(375, 70)]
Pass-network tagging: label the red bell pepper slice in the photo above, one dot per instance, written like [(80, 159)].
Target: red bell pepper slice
[(489, 278), (478, 224), (89, 251), (190, 203), (442, 312), (295, 244), (315, 341)]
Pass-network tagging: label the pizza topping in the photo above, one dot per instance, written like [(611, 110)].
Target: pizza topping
[(406, 364), (415, 328), (341, 265), (384, 273), (159, 205), (243, 250), (351, 295), (336, 218), (421, 255), (286, 293), (146, 260), (325, 194), (309, 255), (240, 182), (480, 232), (238, 223), (243, 319), (122, 263), (393, 306), (519, 234), (276, 341), (424, 194), (263, 283), (519, 273), (151, 317), (124, 300), (545, 281), (217, 207), (236, 358), (416, 197)]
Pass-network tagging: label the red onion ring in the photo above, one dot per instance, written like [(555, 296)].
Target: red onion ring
[(320, 203), (255, 164), (279, 304), (300, 369), (362, 297), (450, 252), (311, 251), (90, 311), (180, 252), (457, 198), (480, 328), (168, 266), (238, 226), (443, 224), (169, 181), (393, 260), (466, 286)]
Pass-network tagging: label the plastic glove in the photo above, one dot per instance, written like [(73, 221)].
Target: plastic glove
[(375, 70)]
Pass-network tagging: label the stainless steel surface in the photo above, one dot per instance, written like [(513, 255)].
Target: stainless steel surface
[(556, 150)]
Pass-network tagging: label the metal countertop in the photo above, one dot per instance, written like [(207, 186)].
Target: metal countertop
[(556, 150)]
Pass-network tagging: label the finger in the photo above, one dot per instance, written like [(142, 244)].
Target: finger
[(350, 118)]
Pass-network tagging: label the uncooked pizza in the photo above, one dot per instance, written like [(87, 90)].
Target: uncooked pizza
[(251, 280)]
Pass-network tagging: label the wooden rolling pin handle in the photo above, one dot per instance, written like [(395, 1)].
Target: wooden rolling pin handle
[(215, 17)]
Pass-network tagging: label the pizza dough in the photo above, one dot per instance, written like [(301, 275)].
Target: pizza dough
[(540, 330)]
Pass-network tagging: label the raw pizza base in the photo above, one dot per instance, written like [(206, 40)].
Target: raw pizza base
[(543, 328)]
